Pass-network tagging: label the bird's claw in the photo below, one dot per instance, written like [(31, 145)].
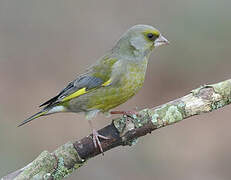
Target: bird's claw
[(96, 141)]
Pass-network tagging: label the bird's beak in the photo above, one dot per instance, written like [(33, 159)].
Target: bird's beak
[(161, 40)]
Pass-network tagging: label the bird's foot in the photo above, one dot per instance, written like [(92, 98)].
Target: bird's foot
[(96, 141)]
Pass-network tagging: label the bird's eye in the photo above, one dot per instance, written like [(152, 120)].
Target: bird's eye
[(152, 36)]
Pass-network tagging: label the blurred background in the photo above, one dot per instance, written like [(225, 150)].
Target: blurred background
[(45, 44)]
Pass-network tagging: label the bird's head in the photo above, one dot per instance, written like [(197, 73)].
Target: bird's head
[(140, 40)]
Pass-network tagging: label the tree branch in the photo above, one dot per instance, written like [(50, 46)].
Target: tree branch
[(122, 131)]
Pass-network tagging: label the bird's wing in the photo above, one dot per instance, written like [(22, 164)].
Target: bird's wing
[(77, 88), (97, 76)]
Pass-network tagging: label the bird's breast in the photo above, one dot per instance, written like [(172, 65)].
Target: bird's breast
[(130, 81)]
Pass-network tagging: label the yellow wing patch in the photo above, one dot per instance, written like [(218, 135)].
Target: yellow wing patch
[(107, 83), (82, 91), (75, 94)]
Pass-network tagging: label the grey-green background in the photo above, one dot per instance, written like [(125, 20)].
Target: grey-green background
[(43, 46)]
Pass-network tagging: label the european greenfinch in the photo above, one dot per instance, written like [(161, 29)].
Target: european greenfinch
[(111, 81)]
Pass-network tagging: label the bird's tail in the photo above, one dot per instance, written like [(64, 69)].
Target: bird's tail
[(35, 116)]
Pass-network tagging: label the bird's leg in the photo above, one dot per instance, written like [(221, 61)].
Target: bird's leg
[(96, 136)]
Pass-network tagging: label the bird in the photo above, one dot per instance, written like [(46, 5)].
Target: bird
[(112, 80)]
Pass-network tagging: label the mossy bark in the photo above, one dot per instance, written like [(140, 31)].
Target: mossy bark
[(124, 131)]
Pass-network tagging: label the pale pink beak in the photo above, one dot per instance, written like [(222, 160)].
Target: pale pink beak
[(161, 40)]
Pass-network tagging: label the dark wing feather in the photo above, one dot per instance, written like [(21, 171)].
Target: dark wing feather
[(50, 101), (94, 77), (89, 82)]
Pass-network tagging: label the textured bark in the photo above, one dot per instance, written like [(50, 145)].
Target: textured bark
[(125, 131)]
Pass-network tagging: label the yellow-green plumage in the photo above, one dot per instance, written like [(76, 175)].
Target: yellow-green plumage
[(112, 96), (112, 80)]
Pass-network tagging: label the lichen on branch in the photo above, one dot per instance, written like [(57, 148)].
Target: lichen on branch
[(124, 131)]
